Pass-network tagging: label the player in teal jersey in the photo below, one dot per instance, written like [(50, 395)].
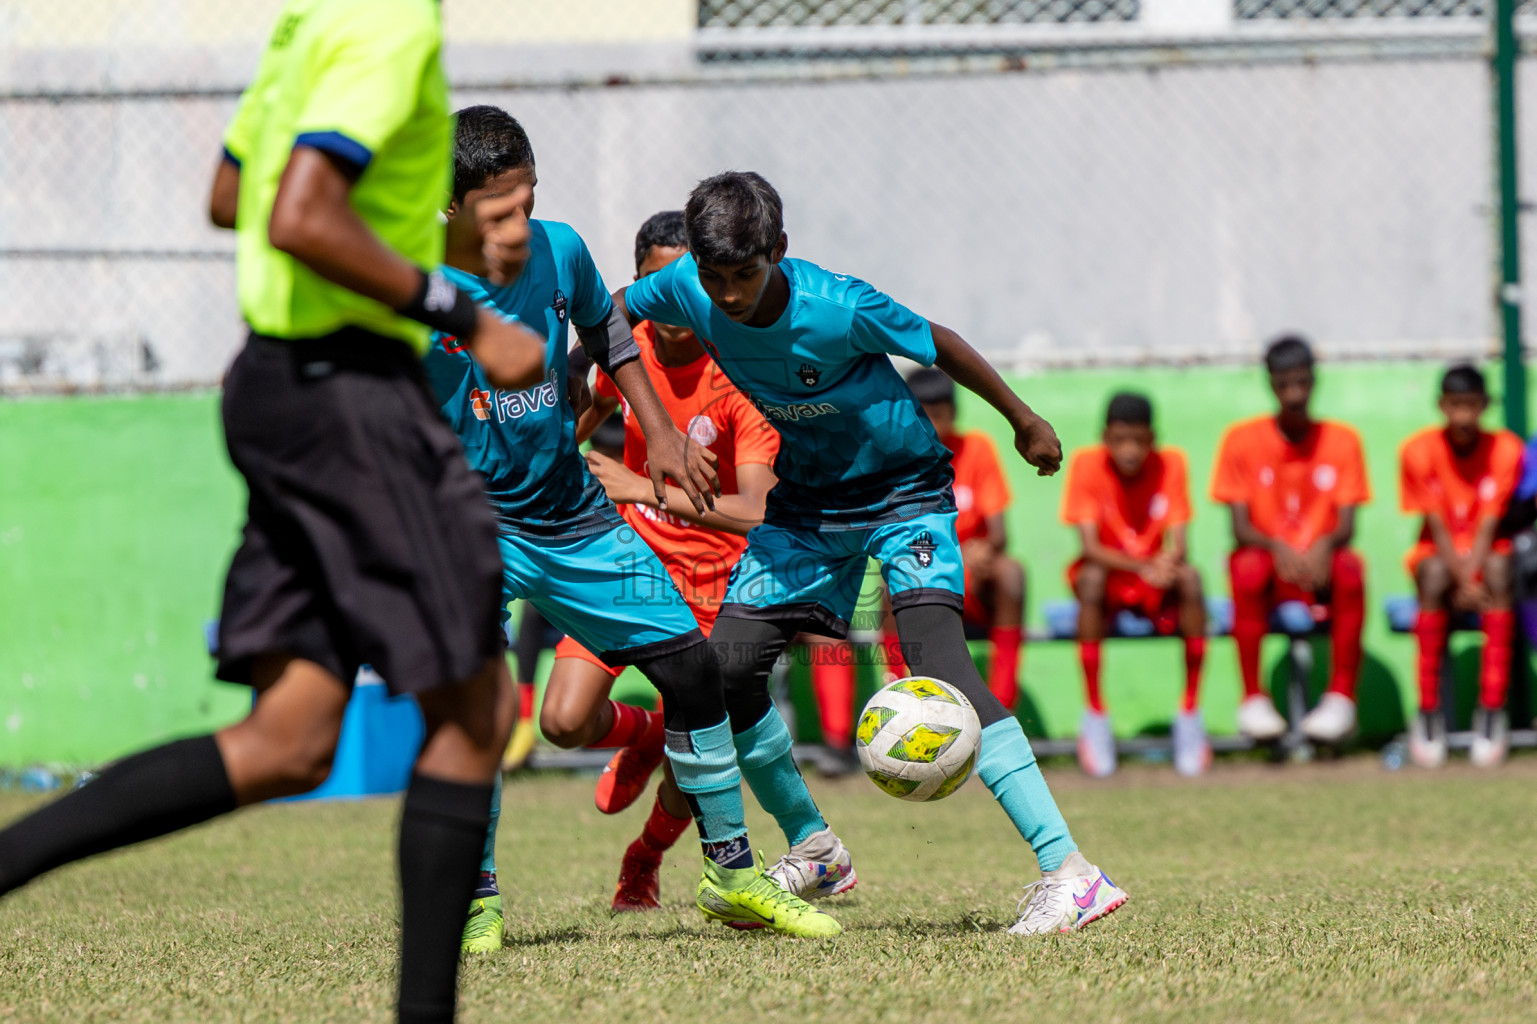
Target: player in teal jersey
[(367, 538), (862, 475), (565, 548)]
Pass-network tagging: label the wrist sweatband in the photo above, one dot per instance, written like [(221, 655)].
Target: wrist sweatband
[(441, 306)]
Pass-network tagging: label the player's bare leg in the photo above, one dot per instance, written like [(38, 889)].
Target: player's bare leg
[(577, 712), (1192, 750), (1096, 740)]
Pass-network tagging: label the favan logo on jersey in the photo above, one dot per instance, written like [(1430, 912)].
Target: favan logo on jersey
[(511, 405), (923, 549), (480, 404), (809, 374)]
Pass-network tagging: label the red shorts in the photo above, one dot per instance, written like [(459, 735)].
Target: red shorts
[(1425, 549), (974, 610), (1128, 592), (571, 648)]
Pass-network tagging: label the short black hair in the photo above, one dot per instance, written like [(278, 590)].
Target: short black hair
[(1288, 352), (732, 218), (608, 436), (664, 230), (1463, 379), (1129, 407), (932, 387), (487, 141)]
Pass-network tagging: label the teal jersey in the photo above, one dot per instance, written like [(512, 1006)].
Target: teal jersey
[(857, 450), (524, 442)]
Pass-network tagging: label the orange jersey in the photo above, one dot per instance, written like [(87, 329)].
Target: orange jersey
[(1294, 492), (709, 408), (1131, 514), (1462, 489), (981, 489)]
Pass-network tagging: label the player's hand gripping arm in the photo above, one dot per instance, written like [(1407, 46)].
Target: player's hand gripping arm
[(314, 222), (669, 452), (733, 513), (1034, 438)]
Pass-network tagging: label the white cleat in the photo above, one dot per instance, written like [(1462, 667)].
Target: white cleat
[(1332, 721), (1491, 738), (1259, 720), (817, 867), (1067, 900), (1192, 751), (1427, 739), (1096, 745)]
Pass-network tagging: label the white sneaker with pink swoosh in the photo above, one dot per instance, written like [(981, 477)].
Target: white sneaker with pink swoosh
[(1067, 899)]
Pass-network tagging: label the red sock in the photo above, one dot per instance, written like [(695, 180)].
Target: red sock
[(1431, 629), (1495, 680), (1195, 654), (633, 727), (892, 645), (1348, 609), (1251, 570), (662, 829), (525, 701), (1088, 653), (1003, 672), (832, 677)]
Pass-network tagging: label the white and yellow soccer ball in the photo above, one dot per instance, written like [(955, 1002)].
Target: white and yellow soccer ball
[(918, 738)]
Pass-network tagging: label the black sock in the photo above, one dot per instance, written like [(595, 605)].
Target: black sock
[(442, 834), (733, 853), (485, 886), (141, 797)]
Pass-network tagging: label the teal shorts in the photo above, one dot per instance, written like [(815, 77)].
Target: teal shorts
[(608, 590), (791, 574)]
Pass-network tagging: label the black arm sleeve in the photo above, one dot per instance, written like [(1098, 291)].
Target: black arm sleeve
[(610, 343)]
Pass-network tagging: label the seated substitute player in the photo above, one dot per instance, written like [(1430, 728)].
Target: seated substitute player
[(565, 548), (350, 552), (698, 551), (1293, 484), (994, 582), (1130, 500), (1460, 478), (861, 474)]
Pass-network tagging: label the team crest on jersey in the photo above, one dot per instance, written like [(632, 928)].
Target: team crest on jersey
[(809, 374), (702, 430), (558, 304), (923, 549)]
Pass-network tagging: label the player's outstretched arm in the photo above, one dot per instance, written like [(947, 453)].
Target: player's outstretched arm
[(733, 513), (1034, 438), (669, 452), (314, 222)]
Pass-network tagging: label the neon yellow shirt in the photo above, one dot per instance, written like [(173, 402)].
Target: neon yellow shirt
[(362, 81)]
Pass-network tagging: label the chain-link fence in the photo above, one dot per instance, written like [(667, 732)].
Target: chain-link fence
[(1063, 181)]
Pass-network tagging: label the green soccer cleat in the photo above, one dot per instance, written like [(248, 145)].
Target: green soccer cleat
[(483, 930), (747, 898)]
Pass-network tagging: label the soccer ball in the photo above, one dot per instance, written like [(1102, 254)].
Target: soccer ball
[(918, 738)]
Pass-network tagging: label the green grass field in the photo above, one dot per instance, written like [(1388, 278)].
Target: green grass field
[(1310, 893)]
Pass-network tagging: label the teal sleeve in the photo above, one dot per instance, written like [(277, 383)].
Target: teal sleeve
[(591, 303), (658, 296), (883, 325)]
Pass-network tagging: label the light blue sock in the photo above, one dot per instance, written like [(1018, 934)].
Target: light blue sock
[(763, 752), (704, 763), (1008, 767), (488, 855)]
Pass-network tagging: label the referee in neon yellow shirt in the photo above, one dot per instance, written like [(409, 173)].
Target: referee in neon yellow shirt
[(368, 539)]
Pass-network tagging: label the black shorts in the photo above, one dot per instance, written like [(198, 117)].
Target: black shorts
[(369, 539)]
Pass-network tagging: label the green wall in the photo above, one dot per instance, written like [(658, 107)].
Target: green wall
[(118, 515)]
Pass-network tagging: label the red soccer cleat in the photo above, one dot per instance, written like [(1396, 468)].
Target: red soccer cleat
[(626, 776), (639, 887)]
